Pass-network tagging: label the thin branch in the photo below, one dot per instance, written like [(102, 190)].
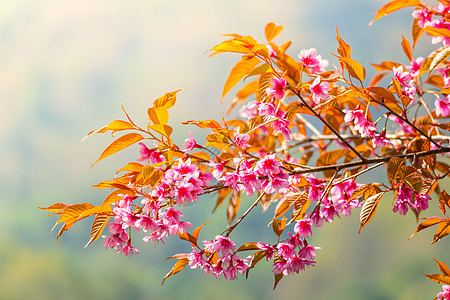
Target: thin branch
[(359, 173), (298, 94), (231, 228), (370, 161)]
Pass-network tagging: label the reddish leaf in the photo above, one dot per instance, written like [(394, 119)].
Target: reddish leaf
[(301, 204), (179, 265), (188, 237), (428, 186), (393, 166), (393, 6), (368, 210), (120, 144), (284, 205), (233, 206), (197, 230), (257, 256), (278, 277)]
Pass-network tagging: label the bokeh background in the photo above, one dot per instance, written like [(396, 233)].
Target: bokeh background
[(67, 66)]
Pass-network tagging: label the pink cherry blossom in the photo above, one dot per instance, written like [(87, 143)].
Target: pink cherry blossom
[(402, 77), (319, 90), (303, 227), (403, 200), (276, 89), (190, 143), (267, 248), (445, 293), (415, 66), (424, 16), (422, 201), (442, 106), (308, 58), (282, 126), (285, 250), (241, 140)]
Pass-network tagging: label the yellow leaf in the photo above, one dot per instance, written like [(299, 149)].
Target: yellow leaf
[(393, 6), (239, 71), (165, 130), (272, 31), (204, 124), (120, 144), (158, 115), (166, 101), (115, 126)]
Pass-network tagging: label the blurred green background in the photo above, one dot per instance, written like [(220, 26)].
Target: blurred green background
[(67, 66)]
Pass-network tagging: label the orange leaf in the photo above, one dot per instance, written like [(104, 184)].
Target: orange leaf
[(131, 167), (158, 115), (343, 49), (442, 267), (278, 277), (272, 31), (239, 71), (256, 122), (416, 31), (393, 166), (368, 210), (284, 205), (438, 31), (393, 6), (166, 101), (300, 206), (385, 66), (355, 69), (72, 212), (263, 84), (383, 92), (120, 144), (407, 48), (179, 265), (442, 231), (427, 223), (98, 225), (278, 226), (439, 278)]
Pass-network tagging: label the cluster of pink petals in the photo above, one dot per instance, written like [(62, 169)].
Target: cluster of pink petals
[(183, 183), (415, 66), (276, 88), (247, 175), (319, 90), (190, 143), (308, 58), (150, 155), (340, 195), (228, 265), (424, 16), (362, 125), (442, 106), (241, 140), (292, 255), (404, 200), (445, 293)]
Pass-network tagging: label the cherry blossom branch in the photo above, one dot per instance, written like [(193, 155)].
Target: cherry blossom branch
[(298, 94), (359, 173), (371, 161), (407, 122)]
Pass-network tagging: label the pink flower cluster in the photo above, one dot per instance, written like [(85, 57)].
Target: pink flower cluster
[(183, 183), (424, 17), (362, 125), (406, 80), (247, 175), (152, 219), (152, 155), (291, 255), (404, 201), (310, 59), (228, 264), (445, 293)]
